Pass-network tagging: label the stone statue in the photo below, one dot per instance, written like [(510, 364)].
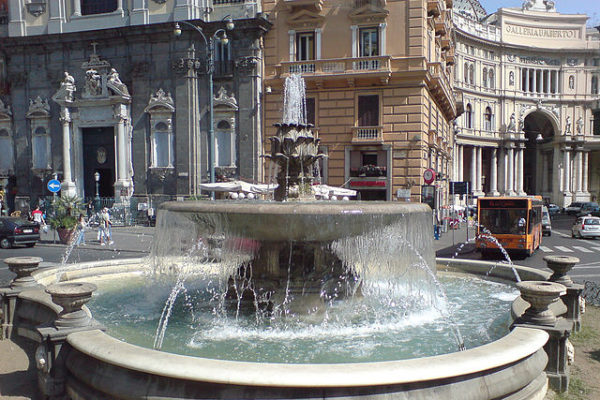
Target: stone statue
[(571, 82), (93, 82), (549, 5), (580, 125), (521, 124), (511, 79), (527, 4), (114, 83), (568, 125), (68, 85), (512, 125)]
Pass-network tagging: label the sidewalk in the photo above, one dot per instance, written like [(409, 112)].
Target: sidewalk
[(453, 240)]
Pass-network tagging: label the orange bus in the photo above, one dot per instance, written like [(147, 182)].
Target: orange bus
[(515, 222)]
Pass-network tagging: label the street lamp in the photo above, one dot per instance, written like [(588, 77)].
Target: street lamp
[(210, 45), (97, 198)]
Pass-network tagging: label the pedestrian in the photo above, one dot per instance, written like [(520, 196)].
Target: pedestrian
[(38, 217), (106, 235), (90, 209), (80, 230)]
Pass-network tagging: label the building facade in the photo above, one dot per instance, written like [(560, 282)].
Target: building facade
[(379, 90), (531, 124), (106, 87)]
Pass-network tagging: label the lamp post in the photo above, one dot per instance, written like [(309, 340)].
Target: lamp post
[(97, 198), (210, 45)]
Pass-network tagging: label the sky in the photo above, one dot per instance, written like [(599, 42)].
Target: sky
[(589, 7)]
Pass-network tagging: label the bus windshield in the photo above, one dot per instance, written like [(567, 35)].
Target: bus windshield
[(504, 221)]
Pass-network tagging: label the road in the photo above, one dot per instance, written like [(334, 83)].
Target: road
[(559, 243)]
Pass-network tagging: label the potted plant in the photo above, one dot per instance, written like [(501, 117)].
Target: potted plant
[(64, 220)]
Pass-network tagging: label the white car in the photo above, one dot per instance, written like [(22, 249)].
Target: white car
[(586, 227)]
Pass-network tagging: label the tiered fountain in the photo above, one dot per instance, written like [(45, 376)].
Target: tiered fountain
[(294, 299)]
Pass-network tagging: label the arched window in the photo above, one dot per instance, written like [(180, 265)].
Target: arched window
[(225, 145), (487, 119), (89, 7), (466, 73), (6, 149), (471, 74), (491, 78), (163, 153), (594, 84), (469, 116), (484, 77), (41, 148)]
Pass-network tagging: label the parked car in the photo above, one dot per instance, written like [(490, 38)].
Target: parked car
[(553, 209), (546, 222), (573, 208), (17, 231), (589, 208), (586, 227)]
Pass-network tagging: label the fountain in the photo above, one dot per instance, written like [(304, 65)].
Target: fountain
[(289, 269)]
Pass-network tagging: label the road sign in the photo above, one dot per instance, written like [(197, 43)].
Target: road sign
[(459, 187), (54, 185), (429, 176)]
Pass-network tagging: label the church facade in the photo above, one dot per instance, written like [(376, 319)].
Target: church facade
[(530, 80), (105, 97)]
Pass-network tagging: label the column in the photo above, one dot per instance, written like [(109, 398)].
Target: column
[(526, 70), (354, 29), (382, 39), (545, 174), (547, 81), (77, 8), (473, 169), (121, 148), (556, 89), (567, 171), (585, 172), (57, 18), (461, 161), (494, 173), (479, 170), (520, 171), (292, 39), (68, 187), (119, 5), (534, 89), (510, 178), (579, 170)]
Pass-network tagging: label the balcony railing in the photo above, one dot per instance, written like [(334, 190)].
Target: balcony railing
[(338, 66), (434, 8), (368, 134)]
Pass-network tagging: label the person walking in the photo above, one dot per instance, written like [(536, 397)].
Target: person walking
[(105, 224), (80, 230), (38, 217), (90, 209)]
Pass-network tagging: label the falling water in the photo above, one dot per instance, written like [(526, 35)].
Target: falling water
[(294, 100)]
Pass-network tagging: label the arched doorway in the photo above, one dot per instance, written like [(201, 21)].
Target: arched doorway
[(538, 156)]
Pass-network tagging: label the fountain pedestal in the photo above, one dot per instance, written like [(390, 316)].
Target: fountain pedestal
[(561, 265), (540, 294), (23, 267), (51, 354)]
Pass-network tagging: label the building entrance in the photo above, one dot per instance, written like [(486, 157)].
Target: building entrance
[(99, 156), (537, 158)]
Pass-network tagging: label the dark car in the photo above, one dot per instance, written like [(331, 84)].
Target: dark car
[(589, 208), (16, 231), (553, 209)]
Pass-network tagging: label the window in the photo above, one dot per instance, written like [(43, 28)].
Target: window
[(466, 73), (469, 116), (471, 74), (162, 146), (369, 42), (485, 77), (41, 149), (492, 84), (487, 119), (225, 145), (6, 149), (223, 62), (89, 7), (368, 110), (310, 111), (594, 84), (596, 123), (305, 46)]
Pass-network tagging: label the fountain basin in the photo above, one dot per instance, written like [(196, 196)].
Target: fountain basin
[(99, 365)]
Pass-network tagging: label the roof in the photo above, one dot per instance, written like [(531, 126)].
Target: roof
[(470, 8)]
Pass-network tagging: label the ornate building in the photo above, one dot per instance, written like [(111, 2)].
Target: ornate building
[(530, 79), (106, 87), (379, 91)]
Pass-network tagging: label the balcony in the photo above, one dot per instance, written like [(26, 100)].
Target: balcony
[(450, 56), (367, 134), (434, 8), (338, 66), (290, 4), (439, 84), (442, 27), (446, 43)]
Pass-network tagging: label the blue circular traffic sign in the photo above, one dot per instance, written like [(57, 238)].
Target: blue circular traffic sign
[(53, 185)]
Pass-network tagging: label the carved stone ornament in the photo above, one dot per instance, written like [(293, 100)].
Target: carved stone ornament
[(160, 101), (222, 99), (38, 108), (5, 111), (246, 63), (36, 7), (572, 62), (93, 83), (511, 57), (115, 85), (65, 92)]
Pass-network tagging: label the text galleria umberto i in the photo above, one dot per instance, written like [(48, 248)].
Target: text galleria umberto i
[(103, 95)]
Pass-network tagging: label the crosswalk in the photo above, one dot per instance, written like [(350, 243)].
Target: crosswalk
[(571, 249)]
